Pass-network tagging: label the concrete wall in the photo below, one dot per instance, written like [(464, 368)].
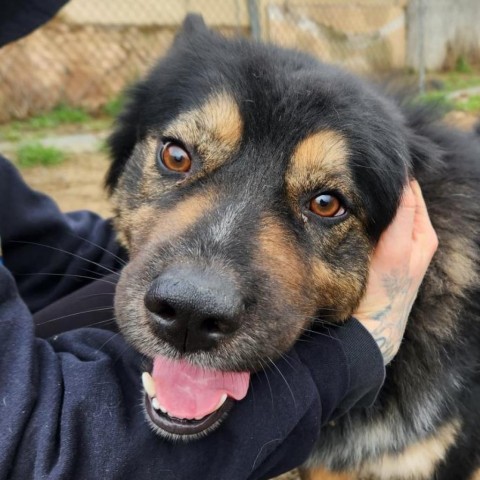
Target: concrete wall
[(165, 13), (451, 29), (364, 35), (93, 48)]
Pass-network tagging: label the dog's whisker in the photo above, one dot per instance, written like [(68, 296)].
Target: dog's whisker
[(284, 356), (308, 332), (98, 275), (100, 322), (102, 309), (121, 260), (97, 295), (262, 364), (51, 247), (99, 349), (120, 355), (284, 379), (93, 324), (99, 279)]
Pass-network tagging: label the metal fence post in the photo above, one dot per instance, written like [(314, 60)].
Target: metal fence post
[(254, 19), (421, 45)]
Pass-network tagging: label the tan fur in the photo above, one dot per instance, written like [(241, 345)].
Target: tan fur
[(148, 224), (278, 257), (452, 273), (476, 475), (418, 461), (214, 129), (459, 264), (321, 474), (331, 285), (320, 159)]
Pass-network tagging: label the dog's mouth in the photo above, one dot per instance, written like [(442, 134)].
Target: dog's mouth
[(185, 399)]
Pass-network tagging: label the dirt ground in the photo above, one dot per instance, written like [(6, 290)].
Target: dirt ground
[(75, 184)]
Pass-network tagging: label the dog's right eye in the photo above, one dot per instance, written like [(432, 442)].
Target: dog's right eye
[(174, 158)]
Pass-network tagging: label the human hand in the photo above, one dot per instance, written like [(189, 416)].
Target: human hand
[(398, 266)]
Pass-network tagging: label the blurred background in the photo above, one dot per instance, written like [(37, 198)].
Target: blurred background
[(61, 87)]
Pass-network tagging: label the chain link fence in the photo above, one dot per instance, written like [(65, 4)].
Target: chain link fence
[(91, 50)]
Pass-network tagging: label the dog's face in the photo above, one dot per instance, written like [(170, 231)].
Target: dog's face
[(250, 185)]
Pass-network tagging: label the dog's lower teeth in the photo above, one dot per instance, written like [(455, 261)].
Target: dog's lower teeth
[(148, 384), (223, 398), (157, 406)]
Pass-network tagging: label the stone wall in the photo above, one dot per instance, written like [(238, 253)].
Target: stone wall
[(364, 36), (93, 49), (81, 66)]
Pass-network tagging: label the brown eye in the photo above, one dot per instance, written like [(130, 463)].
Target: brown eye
[(175, 158), (326, 205)]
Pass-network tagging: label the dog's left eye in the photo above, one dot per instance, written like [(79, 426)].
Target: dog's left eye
[(327, 205), (174, 158)]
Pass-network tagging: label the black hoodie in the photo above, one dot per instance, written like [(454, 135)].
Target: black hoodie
[(70, 404)]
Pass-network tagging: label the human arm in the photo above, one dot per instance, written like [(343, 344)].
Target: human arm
[(51, 254), (75, 399), (75, 402), (398, 266), (20, 17)]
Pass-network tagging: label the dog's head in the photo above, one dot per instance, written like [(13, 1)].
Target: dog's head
[(250, 185)]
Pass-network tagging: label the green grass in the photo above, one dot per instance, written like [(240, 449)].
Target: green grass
[(34, 154), (462, 65), (452, 82), (455, 81), (114, 106), (62, 119), (61, 115), (438, 97), (58, 116), (472, 104)]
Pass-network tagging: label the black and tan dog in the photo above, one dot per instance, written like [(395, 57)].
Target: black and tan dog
[(251, 184)]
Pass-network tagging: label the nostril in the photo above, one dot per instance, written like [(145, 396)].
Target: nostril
[(213, 325), (159, 307), (165, 310)]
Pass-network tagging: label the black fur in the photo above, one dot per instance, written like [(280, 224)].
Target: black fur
[(283, 97)]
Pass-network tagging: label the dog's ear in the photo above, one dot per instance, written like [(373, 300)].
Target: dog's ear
[(124, 137), (193, 23), (425, 154), (129, 124)]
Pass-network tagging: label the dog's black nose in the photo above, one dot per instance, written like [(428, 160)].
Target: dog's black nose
[(193, 308)]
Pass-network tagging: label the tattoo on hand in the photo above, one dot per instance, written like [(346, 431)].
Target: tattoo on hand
[(392, 318)]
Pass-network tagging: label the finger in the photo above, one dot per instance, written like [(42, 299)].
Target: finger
[(396, 241), (423, 231)]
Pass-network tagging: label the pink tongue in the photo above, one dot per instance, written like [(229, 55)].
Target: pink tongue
[(188, 391)]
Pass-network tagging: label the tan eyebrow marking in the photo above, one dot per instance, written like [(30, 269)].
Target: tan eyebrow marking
[(215, 129), (150, 224), (317, 159)]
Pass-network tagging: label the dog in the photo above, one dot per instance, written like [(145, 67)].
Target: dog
[(250, 185)]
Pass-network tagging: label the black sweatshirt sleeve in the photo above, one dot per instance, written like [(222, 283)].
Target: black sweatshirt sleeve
[(20, 17), (70, 407), (51, 254)]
